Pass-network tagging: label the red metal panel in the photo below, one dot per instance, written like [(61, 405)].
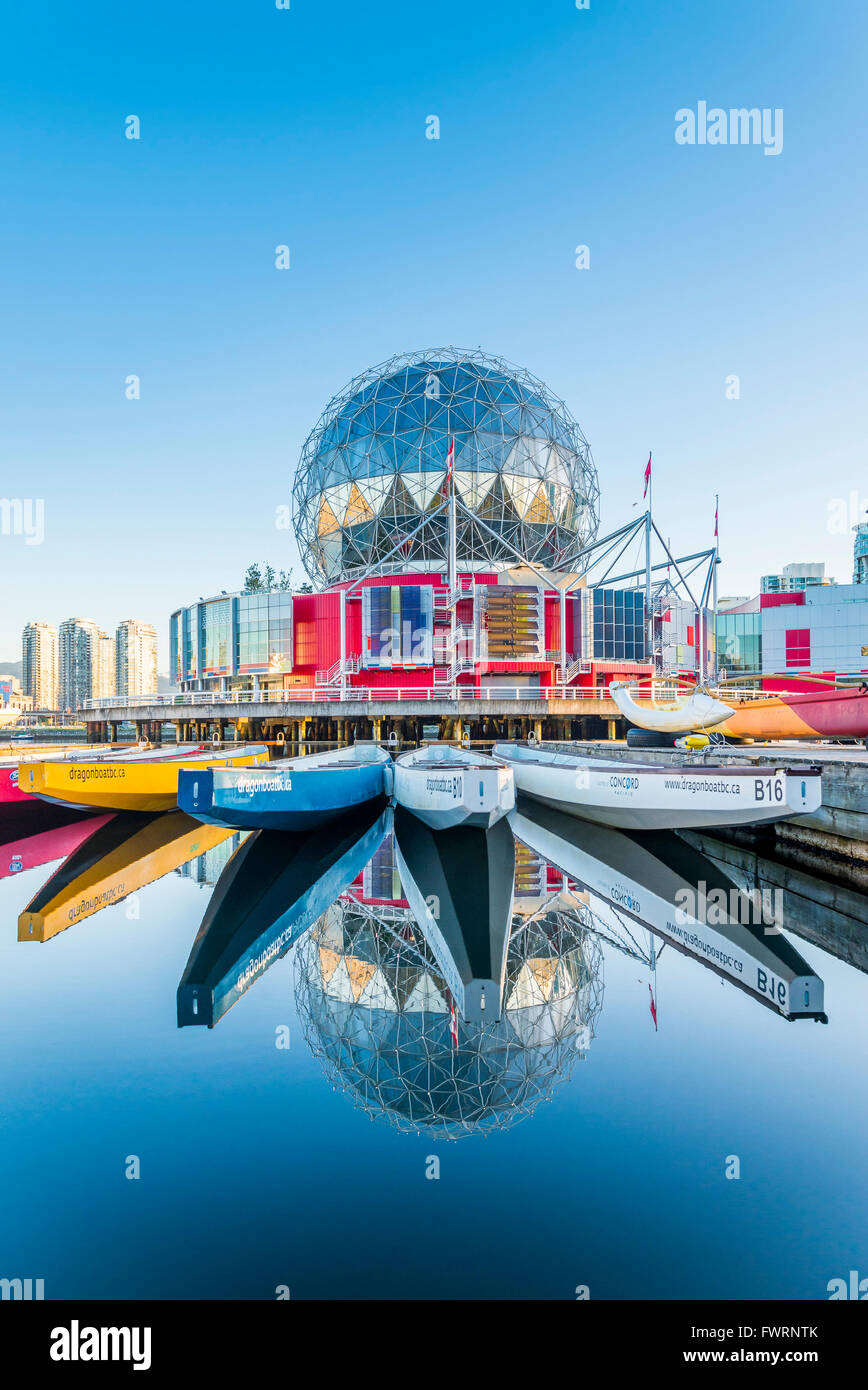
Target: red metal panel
[(552, 624), (328, 636), (412, 678), (798, 646), (780, 600), (354, 627), (304, 632)]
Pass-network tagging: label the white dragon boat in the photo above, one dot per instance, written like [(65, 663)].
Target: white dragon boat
[(446, 786), (686, 795)]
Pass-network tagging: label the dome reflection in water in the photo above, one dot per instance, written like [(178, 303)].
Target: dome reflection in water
[(377, 1012)]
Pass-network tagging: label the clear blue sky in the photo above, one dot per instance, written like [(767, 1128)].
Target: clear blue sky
[(307, 127)]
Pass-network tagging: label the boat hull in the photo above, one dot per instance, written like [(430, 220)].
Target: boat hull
[(291, 798), (10, 789), (273, 888), (123, 785), (470, 875), (44, 846), (812, 714), (447, 795), (126, 854), (636, 797), (652, 879)]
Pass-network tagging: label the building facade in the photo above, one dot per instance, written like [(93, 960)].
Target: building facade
[(39, 664), (104, 666), (821, 630), (860, 553), (824, 631), (232, 640), (135, 658), (511, 629), (11, 694), (739, 638), (86, 663)]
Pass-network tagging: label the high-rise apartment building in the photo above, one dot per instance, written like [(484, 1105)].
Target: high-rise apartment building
[(104, 662), (39, 670), (136, 658), (794, 579), (86, 662)]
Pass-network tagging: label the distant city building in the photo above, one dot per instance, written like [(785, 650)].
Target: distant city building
[(794, 579), (86, 662), (135, 658), (11, 694), (860, 553), (39, 664), (104, 663)]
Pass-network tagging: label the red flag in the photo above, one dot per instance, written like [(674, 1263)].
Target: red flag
[(653, 1008), (715, 518), (450, 460), (453, 1022), (647, 477)]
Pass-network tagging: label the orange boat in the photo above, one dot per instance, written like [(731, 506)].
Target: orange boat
[(814, 713)]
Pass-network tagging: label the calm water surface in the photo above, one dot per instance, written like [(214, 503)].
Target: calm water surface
[(592, 1147)]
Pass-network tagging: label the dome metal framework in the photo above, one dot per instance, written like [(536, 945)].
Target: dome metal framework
[(374, 467), (376, 1012)]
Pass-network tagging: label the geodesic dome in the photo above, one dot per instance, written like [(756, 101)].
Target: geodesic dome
[(374, 467), (376, 1012)]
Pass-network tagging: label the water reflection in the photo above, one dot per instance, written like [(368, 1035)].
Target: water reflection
[(379, 1014), (449, 981), (123, 854), (270, 892), (683, 897)]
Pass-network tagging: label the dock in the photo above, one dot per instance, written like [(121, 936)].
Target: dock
[(329, 715), (585, 718)]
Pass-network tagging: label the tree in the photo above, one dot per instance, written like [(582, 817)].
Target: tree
[(253, 580), (261, 579)]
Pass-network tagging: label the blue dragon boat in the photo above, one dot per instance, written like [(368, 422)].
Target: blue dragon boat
[(294, 794)]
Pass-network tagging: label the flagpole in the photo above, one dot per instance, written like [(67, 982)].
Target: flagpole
[(453, 557), (453, 565), (714, 581), (649, 619)]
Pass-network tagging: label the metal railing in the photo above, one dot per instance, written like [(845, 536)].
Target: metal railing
[(353, 694)]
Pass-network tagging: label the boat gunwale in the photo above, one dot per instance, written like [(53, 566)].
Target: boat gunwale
[(565, 762)]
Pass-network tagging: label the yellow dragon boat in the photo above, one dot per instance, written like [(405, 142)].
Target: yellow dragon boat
[(123, 856), (146, 781)]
